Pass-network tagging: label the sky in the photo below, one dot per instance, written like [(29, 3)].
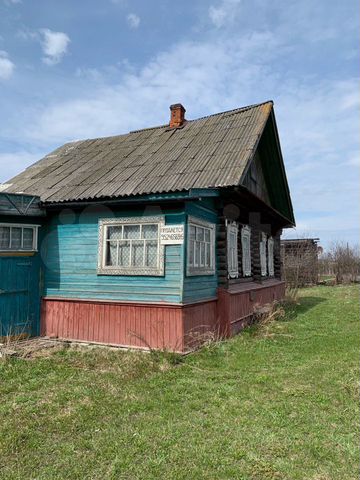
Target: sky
[(72, 70)]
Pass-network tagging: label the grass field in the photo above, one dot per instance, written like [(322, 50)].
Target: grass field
[(280, 404)]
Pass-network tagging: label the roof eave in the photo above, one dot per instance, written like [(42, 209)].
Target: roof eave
[(193, 193), (287, 222)]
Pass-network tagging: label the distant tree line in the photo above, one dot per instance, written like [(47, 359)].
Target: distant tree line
[(342, 262)]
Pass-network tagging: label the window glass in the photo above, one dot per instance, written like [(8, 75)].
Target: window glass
[(149, 231), (124, 254), (200, 234), (130, 248), (207, 255), (200, 248), (132, 231), (4, 237), (28, 238), (111, 254), (202, 254), (151, 254), (114, 233), (17, 237), (197, 253), (137, 251)]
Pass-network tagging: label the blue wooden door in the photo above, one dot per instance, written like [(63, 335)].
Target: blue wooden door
[(19, 296)]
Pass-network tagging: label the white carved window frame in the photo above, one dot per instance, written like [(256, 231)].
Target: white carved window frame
[(103, 269), (271, 256), (21, 248), (246, 250), (192, 268), (232, 230), (263, 259)]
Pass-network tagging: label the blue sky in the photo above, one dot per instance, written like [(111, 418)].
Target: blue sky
[(72, 70)]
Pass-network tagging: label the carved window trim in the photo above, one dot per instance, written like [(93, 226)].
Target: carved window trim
[(246, 250), (232, 230), (263, 259), (103, 269), (191, 268), (271, 269)]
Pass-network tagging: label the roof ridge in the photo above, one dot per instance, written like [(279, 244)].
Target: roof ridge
[(156, 127), (233, 110)]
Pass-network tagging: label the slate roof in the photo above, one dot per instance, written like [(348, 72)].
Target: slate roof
[(209, 152)]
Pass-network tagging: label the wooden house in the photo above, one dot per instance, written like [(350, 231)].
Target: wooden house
[(159, 237), (300, 261)]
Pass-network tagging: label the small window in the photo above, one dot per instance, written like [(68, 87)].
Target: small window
[(263, 254), (271, 257), (131, 246), (246, 251), (18, 238), (232, 250), (200, 247)]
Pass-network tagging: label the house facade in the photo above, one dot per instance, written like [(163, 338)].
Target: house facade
[(157, 238)]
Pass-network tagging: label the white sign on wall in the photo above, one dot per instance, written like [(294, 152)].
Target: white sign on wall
[(172, 234)]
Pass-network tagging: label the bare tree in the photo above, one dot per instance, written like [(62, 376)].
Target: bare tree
[(343, 261)]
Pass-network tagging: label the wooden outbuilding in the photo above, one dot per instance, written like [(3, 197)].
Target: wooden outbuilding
[(161, 237), (300, 261)]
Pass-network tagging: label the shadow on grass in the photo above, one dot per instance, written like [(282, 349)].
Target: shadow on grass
[(292, 310), (305, 304)]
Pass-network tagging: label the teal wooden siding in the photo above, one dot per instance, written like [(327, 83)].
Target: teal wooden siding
[(70, 254), (20, 285), (202, 287), (19, 295)]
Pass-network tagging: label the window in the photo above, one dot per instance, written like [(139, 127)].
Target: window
[(271, 257), (232, 249), (246, 251), (131, 246), (263, 254), (18, 238), (200, 247)]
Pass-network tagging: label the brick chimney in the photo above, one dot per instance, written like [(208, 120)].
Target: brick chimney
[(177, 116)]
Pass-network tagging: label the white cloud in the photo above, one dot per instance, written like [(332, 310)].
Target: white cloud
[(109, 109), (224, 13), (12, 2), (6, 66), (54, 45), (317, 114), (133, 20)]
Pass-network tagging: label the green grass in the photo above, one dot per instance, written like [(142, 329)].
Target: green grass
[(278, 406)]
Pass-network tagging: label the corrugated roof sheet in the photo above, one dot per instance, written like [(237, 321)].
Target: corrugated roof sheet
[(208, 152)]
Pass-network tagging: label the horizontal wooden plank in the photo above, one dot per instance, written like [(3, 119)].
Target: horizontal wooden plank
[(136, 297), (71, 257)]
